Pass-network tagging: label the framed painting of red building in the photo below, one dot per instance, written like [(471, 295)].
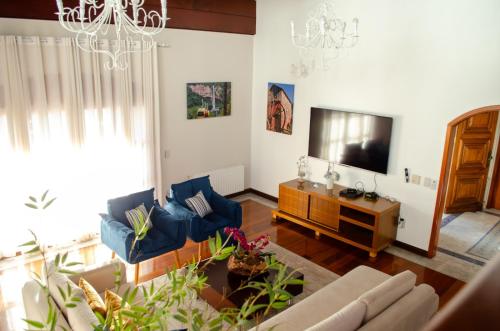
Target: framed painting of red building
[(280, 107)]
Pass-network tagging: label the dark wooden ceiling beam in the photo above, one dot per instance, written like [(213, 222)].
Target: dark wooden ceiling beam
[(232, 16)]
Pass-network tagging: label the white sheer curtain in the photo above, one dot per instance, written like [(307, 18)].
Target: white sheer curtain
[(69, 125)]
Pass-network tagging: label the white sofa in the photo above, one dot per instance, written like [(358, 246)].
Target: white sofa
[(364, 299)]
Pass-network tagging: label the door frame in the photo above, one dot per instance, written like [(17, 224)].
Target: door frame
[(494, 177), (443, 177)]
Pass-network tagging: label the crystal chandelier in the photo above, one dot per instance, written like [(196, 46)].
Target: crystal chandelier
[(325, 35), (93, 19)]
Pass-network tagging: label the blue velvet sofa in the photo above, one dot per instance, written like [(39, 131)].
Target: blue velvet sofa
[(226, 213), (167, 234)]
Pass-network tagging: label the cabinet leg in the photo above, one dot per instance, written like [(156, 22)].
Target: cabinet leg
[(317, 235), (373, 253)]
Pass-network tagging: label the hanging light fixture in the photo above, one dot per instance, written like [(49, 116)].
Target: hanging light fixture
[(325, 35), (93, 19)]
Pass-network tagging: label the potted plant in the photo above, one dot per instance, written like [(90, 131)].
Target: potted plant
[(247, 258)]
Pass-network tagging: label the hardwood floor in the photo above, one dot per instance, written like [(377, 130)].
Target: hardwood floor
[(329, 253)]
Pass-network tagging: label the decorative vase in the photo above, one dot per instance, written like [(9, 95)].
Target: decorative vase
[(247, 265)]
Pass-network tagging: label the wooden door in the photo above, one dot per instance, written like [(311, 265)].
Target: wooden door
[(494, 196), (325, 210), (470, 161)]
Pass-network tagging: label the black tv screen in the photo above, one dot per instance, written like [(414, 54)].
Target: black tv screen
[(352, 139)]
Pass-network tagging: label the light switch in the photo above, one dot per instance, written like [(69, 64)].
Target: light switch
[(415, 179)]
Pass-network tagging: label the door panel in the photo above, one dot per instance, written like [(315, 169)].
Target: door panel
[(473, 144), (325, 211), (293, 201)]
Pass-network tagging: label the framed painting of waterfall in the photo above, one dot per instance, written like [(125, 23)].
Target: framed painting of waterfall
[(206, 100)]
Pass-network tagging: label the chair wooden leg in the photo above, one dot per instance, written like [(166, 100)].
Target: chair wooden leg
[(113, 255), (177, 259), (136, 277), (199, 250)]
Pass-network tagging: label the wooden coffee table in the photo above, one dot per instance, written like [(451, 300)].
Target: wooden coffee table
[(222, 283)]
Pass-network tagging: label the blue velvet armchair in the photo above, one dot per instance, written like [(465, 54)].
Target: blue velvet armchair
[(168, 233), (226, 213)]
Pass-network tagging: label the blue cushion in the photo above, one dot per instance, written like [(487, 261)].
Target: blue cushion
[(155, 240), (118, 206), (214, 222), (202, 184), (182, 191)]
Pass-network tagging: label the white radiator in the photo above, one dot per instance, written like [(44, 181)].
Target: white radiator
[(227, 180)]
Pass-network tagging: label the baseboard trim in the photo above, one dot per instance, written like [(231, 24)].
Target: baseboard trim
[(233, 195), (253, 191), (413, 249), (263, 195)]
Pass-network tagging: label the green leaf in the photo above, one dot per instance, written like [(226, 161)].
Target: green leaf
[(57, 260), (72, 264), (32, 199), (44, 195), (279, 305), (33, 250), (64, 257), (295, 281), (70, 305), (180, 318), (29, 243), (36, 324), (30, 205), (218, 241), (66, 271), (211, 246), (49, 203), (63, 295)]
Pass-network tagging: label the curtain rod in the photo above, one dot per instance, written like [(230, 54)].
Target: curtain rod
[(46, 39)]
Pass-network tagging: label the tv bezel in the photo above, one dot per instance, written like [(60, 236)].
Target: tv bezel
[(359, 113)]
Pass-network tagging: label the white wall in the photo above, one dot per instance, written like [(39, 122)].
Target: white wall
[(191, 146), (421, 62)]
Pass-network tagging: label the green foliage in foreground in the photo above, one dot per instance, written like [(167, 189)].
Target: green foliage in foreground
[(172, 296)]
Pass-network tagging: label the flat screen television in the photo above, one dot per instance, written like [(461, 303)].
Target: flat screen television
[(351, 139)]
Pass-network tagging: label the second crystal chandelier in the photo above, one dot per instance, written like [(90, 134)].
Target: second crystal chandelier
[(324, 36)]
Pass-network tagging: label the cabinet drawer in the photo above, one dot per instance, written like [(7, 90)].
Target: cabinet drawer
[(324, 211), (293, 201)]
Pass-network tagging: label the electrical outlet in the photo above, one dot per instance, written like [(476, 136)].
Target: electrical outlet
[(434, 184), (415, 179), (402, 223), (427, 182)]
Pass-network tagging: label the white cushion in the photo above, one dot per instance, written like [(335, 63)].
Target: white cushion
[(60, 280), (81, 317), (348, 318), (385, 294)]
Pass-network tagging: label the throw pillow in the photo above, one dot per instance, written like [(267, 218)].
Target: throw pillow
[(114, 306), (93, 299), (199, 204), (58, 280), (140, 212)]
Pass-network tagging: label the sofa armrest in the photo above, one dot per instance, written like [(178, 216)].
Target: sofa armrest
[(192, 220), (410, 313), (102, 277), (174, 227), (227, 208), (117, 236)]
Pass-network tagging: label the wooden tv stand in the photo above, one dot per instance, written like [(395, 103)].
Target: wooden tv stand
[(369, 225)]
